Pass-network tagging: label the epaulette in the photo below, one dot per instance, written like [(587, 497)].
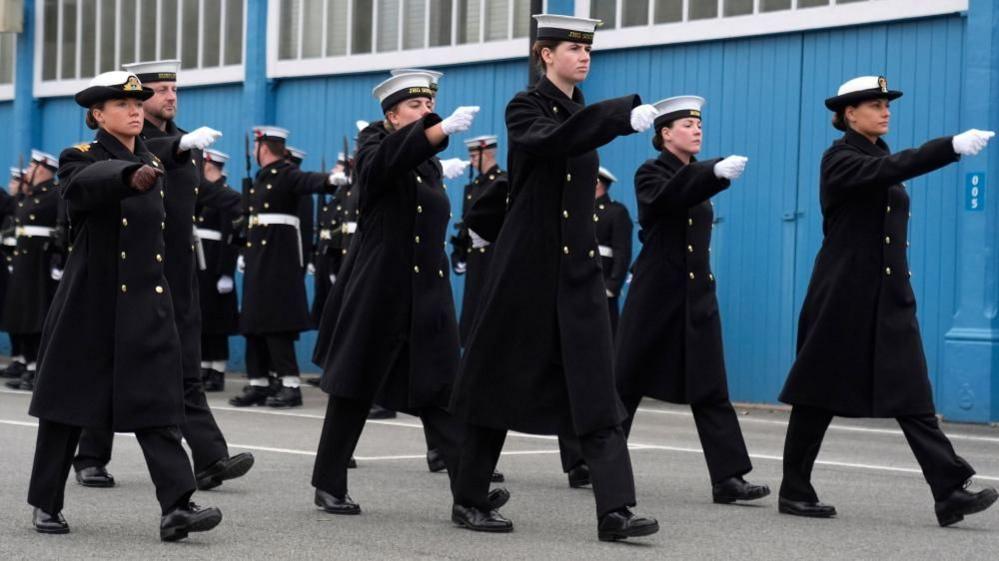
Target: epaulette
[(83, 146)]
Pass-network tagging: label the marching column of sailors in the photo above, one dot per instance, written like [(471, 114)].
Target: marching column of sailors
[(120, 307)]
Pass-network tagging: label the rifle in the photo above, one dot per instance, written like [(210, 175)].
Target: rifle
[(240, 225)]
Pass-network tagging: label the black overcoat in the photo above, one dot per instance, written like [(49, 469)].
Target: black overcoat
[(30, 288), (110, 354), (389, 331), (336, 222), (219, 312), (274, 299), (477, 259), (860, 353), (669, 339), (613, 231), (539, 357)]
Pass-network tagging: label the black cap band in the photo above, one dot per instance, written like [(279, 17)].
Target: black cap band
[(407, 93), (663, 120), (157, 77), (558, 34)]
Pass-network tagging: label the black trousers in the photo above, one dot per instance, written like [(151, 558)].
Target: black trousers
[(165, 457), (615, 312), (202, 433), (272, 352), (943, 469), (605, 452), (26, 345), (214, 347), (342, 429)]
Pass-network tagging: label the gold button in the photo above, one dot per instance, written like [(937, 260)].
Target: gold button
[(565, 214), (248, 244), (602, 207), (691, 276), (201, 219), (252, 191), (162, 225), (555, 109), (124, 222), (159, 289), (269, 186), (31, 217), (267, 205), (124, 288), (907, 244), (417, 239), (325, 208), (592, 254), (193, 163), (690, 249), (273, 172), (416, 269), (419, 209), (195, 190), (596, 218), (159, 258), (36, 201), (565, 249), (888, 210), (690, 222), (711, 277), (123, 256), (338, 208), (910, 274), (251, 208), (193, 218), (887, 240), (162, 194), (491, 177), (481, 249), (263, 242), (568, 177), (419, 179), (343, 252), (888, 271), (440, 273)]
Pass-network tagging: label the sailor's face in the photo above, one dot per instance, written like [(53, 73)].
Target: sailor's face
[(870, 118), (570, 61), (684, 135), (121, 116), (163, 104), (409, 111)]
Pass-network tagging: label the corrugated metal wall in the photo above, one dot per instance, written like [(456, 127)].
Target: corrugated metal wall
[(764, 101)]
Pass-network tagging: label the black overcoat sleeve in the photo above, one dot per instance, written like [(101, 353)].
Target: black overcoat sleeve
[(693, 184), (221, 197), (88, 184), (532, 130), (485, 217), (621, 244), (398, 153)]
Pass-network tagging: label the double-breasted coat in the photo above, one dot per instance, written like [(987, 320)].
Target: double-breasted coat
[(219, 312), (185, 189), (389, 331), (476, 259), (110, 354), (614, 229), (336, 222), (30, 288), (860, 353), (669, 339), (274, 298), (539, 357)]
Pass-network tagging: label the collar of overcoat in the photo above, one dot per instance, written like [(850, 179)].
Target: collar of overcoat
[(854, 138), (118, 150), (549, 90), (671, 161)]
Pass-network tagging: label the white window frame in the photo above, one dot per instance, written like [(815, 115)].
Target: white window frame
[(482, 51), (187, 77), (764, 23), (7, 90)]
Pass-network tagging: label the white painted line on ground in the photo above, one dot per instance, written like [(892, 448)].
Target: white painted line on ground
[(636, 447)]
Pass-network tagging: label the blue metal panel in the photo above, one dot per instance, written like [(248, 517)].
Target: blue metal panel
[(8, 146)]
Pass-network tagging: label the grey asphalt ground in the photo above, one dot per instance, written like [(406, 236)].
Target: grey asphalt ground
[(865, 469)]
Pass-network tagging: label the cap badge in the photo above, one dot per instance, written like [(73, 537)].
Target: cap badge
[(132, 85), (883, 84)]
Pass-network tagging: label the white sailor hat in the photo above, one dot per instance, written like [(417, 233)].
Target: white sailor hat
[(16, 173), (341, 158), (483, 142), (566, 28), (155, 70), (605, 175), (116, 84), (45, 159), (297, 154), (401, 87), (860, 89), (269, 132), (216, 157), (361, 125), (679, 107), (435, 76)]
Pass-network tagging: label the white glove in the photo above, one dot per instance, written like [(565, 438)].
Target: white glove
[(332, 278), (310, 269), (200, 138), (460, 268), (460, 120), (731, 167), (643, 117), (240, 264), (56, 274), (477, 240), (971, 142), (225, 285), (454, 167), (338, 178), (609, 293)]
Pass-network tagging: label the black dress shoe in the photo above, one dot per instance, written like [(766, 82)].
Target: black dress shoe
[(13, 370), (497, 477), (480, 520), (498, 497), (179, 522), (737, 489), (226, 468), (579, 476), (94, 476), (435, 462), (961, 502), (25, 382), (286, 397), (314, 382), (252, 395), (335, 505), (806, 508), (213, 380), (46, 523), (622, 524), (379, 412)]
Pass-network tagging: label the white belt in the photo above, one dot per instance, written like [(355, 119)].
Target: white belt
[(349, 227), (606, 250), (34, 231), (206, 234), (326, 234), (9, 241), (268, 219)]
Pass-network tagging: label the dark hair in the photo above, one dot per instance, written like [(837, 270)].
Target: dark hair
[(657, 139), (91, 122), (839, 120), (536, 49), (275, 147)]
